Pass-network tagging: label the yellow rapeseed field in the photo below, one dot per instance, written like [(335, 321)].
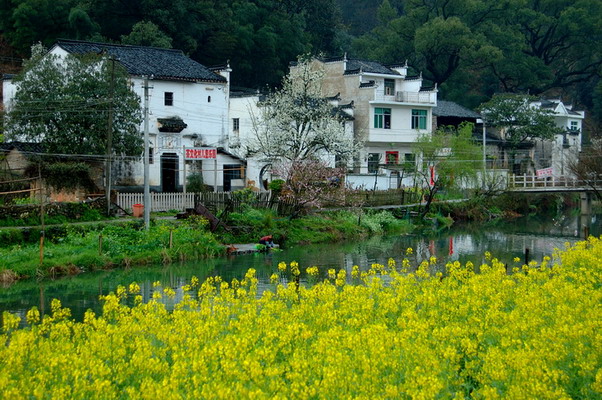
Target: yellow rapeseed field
[(531, 332)]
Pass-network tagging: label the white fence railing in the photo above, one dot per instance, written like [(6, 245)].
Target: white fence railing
[(181, 201), (532, 181)]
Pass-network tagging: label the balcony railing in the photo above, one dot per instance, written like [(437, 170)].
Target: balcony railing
[(409, 97), (415, 97)]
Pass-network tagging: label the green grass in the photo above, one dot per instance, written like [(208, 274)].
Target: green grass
[(81, 251)]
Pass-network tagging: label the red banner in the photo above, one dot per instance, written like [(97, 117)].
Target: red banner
[(200, 153)]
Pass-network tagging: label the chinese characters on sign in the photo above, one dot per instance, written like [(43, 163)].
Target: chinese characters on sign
[(199, 153), (544, 173)]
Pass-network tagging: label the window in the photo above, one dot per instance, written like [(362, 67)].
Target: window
[(208, 99), (235, 124), (418, 119), (382, 118), (392, 157), (574, 126), (151, 159), (168, 98), (410, 158), (373, 159), (389, 87)]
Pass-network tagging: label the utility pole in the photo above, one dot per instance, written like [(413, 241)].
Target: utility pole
[(110, 135), (147, 200), (484, 152)]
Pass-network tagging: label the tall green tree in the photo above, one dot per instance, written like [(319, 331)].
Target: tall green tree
[(448, 158), (24, 22), (145, 33), (65, 103)]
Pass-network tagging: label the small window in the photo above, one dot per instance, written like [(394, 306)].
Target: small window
[(150, 155), (208, 99), (373, 161), (382, 118), (409, 158), (574, 126), (168, 98), (235, 124), (392, 157), (418, 119), (389, 87)]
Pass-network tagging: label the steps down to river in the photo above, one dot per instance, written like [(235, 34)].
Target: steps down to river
[(244, 248)]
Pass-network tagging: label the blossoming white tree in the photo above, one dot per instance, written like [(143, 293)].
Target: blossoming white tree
[(301, 133), (298, 123)]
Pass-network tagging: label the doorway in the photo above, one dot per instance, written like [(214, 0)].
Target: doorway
[(231, 171), (169, 172)]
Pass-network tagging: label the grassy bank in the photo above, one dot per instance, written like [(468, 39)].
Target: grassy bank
[(83, 249), (326, 227), (72, 249), (386, 331)]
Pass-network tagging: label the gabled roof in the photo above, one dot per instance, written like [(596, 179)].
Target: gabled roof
[(166, 64), (451, 109), (354, 66)]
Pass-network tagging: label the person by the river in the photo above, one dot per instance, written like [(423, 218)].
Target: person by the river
[(267, 241)]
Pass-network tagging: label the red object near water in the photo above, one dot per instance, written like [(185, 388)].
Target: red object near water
[(138, 210)]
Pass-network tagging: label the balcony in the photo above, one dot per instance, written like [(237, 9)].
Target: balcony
[(408, 97), (393, 135)]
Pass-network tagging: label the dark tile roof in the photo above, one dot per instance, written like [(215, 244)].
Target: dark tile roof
[(222, 150), (451, 109), (23, 147), (354, 66), (367, 84), (548, 104), (164, 64)]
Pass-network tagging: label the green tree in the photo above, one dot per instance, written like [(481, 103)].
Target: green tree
[(25, 22), (64, 103), (547, 44), (518, 120), (145, 33), (448, 158)]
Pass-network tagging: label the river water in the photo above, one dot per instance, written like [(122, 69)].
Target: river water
[(466, 242)]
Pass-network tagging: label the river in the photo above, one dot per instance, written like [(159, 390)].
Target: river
[(462, 242)]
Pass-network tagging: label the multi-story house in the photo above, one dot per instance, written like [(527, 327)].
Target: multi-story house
[(188, 110), (391, 110), (558, 153)]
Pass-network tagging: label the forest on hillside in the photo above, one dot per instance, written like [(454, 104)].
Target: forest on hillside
[(470, 48)]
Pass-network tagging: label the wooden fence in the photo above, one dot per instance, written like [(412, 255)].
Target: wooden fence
[(215, 201), (218, 201)]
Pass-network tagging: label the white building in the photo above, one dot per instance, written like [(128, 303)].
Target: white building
[(391, 110), (565, 147), (188, 108)]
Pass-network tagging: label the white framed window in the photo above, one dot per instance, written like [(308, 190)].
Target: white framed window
[(419, 119), (574, 125), (235, 124), (373, 161), (389, 87), (382, 118)]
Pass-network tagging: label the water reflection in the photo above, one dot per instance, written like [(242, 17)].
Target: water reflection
[(461, 243)]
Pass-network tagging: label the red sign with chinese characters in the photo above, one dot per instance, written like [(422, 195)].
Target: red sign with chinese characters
[(200, 153)]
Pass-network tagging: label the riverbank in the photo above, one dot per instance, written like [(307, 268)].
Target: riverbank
[(73, 249)]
